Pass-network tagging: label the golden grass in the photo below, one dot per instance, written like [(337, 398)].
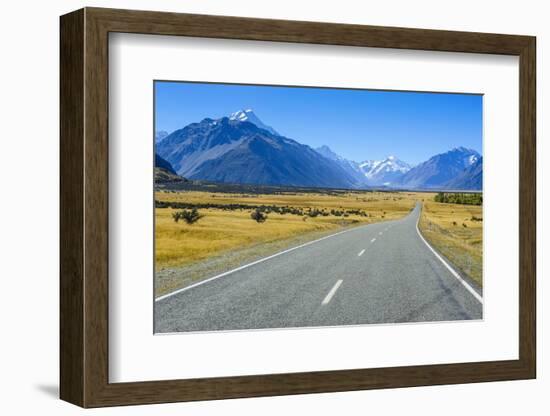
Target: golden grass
[(219, 231), (452, 231)]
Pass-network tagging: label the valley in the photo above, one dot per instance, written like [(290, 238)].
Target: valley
[(254, 229), (227, 236)]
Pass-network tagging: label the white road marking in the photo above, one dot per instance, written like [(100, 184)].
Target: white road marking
[(453, 272), (332, 292), (253, 263), (361, 252), (380, 233), (373, 240)]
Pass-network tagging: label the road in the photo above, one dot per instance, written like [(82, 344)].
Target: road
[(378, 273)]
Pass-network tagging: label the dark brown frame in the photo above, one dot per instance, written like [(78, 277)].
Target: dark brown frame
[(84, 208)]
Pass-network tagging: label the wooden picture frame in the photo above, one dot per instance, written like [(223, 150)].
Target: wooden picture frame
[(84, 207)]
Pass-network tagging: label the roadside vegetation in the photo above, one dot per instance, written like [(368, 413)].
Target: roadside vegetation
[(234, 221), (456, 231)]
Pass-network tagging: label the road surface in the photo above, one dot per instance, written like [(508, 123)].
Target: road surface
[(378, 273)]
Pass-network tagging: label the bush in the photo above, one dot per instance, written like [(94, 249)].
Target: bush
[(189, 216), (313, 213), (459, 198), (474, 218), (258, 215)]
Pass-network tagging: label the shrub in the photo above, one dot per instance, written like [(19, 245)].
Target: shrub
[(459, 198), (313, 213), (464, 225), (258, 215), (474, 218), (189, 216)]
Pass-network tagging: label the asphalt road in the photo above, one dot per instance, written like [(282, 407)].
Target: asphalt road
[(378, 273)]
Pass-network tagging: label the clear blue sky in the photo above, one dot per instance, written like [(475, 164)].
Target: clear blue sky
[(357, 124)]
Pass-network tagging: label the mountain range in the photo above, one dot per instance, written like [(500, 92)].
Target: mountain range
[(242, 149)]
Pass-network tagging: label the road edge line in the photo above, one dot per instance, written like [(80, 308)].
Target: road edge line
[(183, 289), (453, 271)]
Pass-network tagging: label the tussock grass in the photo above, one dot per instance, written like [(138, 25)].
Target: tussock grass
[(457, 232)]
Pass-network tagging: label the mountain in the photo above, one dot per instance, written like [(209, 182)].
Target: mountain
[(471, 178), (439, 170), (371, 172), (350, 166), (234, 150), (248, 115), (164, 172), (163, 164), (384, 172), (159, 135)]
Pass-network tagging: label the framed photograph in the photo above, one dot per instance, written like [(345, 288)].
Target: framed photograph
[(255, 207)]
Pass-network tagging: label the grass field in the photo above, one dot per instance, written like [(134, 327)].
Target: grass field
[(219, 231), (457, 232)]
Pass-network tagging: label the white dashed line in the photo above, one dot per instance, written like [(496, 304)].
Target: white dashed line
[(175, 292), (361, 253), (373, 240), (380, 233), (332, 292)]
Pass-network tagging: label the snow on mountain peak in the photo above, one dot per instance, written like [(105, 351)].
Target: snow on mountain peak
[(384, 171), (240, 115), (248, 115)]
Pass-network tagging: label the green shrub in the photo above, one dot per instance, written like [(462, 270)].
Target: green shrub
[(189, 216), (459, 198), (258, 215)]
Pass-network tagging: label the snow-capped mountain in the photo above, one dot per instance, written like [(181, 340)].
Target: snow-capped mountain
[(234, 151), (384, 172), (248, 115), (471, 178), (439, 170), (350, 166)]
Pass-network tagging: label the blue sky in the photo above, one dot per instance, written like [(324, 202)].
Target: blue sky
[(357, 124)]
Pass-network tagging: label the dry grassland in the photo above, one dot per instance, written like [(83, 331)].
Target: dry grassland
[(457, 232)]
